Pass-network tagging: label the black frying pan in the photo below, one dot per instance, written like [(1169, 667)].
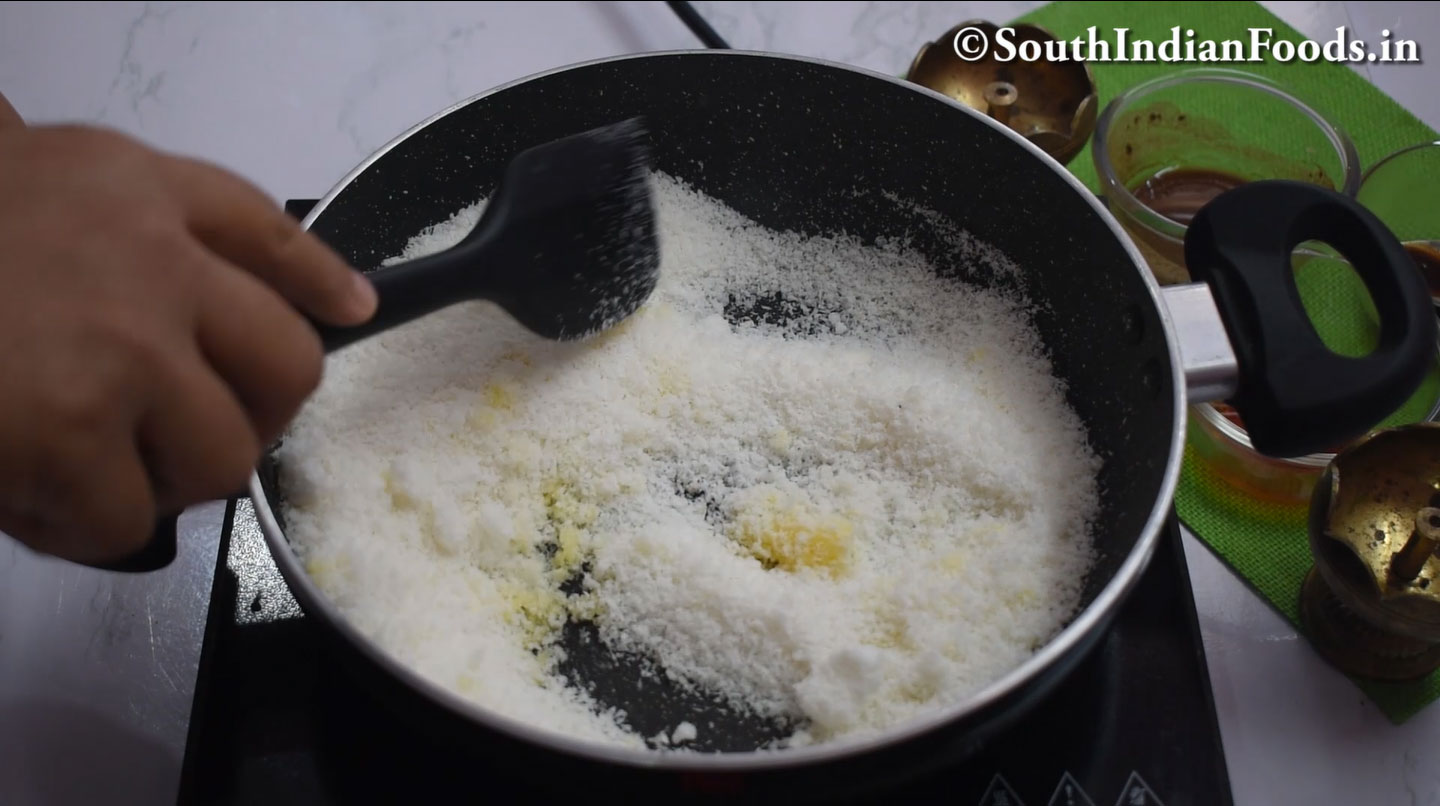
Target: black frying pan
[(799, 144)]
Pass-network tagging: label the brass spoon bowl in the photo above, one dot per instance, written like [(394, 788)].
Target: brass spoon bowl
[(1051, 104)]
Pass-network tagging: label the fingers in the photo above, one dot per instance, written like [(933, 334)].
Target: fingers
[(267, 354), (197, 438), (243, 226), (106, 513), (215, 400)]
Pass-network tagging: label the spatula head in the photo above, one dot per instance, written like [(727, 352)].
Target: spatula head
[(574, 232)]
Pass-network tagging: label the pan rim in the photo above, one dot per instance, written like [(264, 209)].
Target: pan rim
[(1092, 617)]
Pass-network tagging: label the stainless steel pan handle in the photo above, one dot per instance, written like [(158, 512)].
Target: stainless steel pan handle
[(1212, 372)]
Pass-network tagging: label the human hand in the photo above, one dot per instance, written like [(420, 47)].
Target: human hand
[(151, 340)]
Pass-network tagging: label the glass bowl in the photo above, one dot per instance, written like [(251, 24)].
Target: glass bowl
[(1166, 147), (1403, 191), (1222, 451)]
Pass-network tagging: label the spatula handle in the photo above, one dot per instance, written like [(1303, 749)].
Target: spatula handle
[(406, 291)]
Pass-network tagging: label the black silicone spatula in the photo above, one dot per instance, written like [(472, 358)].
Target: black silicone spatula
[(566, 245)]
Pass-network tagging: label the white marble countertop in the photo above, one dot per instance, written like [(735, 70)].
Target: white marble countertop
[(97, 672)]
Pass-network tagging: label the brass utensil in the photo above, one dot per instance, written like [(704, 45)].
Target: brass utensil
[(1371, 604), (1052, 104)]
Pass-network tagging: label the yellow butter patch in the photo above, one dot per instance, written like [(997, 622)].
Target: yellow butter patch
[(793, 538)]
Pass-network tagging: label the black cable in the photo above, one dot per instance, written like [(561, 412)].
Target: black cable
[(698, 25)]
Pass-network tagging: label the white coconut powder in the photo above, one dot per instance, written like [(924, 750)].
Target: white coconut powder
[(845, 522)]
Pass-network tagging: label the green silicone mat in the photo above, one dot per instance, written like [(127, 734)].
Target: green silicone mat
[(1266, 547)]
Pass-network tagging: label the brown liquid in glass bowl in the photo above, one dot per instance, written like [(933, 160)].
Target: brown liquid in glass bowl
[(1179, 193)]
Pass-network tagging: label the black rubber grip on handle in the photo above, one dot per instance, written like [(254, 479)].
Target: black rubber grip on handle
[(1296, 396), (156, 554)]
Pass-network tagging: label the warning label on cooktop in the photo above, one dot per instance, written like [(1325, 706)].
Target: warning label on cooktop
[(999, 793), (1069, 793), (1138, 793)]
